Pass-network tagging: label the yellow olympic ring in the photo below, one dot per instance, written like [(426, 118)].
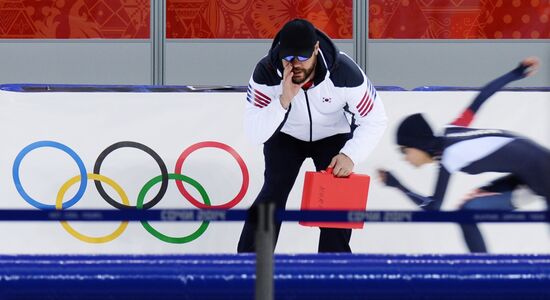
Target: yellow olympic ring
[(78, 235)]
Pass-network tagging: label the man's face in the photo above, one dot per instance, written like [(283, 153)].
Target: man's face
[(303, 70)]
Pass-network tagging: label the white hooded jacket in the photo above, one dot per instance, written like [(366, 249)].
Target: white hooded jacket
[(341, 98)]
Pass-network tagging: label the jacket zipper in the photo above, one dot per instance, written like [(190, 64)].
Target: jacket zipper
[(310, 121)]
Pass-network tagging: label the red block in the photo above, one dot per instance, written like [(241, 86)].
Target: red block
[(323, 191)]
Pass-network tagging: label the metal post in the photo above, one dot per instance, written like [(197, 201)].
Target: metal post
[(360, 35), (158, 39), (264, 252)]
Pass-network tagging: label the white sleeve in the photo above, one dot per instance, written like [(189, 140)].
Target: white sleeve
[(370, 116), (264, 112)]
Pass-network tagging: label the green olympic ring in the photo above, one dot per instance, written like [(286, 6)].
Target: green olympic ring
[(169, 239)]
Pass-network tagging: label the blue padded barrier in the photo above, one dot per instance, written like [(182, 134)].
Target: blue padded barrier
[(389, 88), (309, 276), (209, 88), (41, 88), (456, 88)]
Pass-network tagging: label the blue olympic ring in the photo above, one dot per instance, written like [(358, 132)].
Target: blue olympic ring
[(41, 144)]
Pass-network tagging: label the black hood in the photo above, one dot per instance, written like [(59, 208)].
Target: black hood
[(329, 53)]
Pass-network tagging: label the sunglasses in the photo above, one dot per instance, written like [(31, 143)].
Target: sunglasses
[(290, 58)]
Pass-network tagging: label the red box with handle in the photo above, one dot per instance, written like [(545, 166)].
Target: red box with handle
[(324, 191)]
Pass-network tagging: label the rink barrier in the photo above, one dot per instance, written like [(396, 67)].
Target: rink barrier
[(89, 88), (308, 276), (193, 215)]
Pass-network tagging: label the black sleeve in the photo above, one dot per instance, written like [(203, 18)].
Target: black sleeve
[(487, 91), (503, 184), (428, 203)]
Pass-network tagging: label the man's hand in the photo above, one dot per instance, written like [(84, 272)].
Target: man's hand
[(341, 165), (290, 89), (532, 63)]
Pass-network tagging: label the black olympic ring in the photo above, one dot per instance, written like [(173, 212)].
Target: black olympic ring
[(156, 157)]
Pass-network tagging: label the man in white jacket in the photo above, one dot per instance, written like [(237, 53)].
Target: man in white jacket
[(306, 99)]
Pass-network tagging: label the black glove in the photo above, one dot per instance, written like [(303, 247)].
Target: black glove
[(520, 71)]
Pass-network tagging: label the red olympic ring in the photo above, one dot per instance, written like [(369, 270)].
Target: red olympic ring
[(228, 149)]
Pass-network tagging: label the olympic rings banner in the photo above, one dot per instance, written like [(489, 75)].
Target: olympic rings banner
[(163, 178), (73, 150), (124, 151)]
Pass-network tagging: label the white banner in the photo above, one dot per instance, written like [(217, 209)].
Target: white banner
[(50, 138)]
